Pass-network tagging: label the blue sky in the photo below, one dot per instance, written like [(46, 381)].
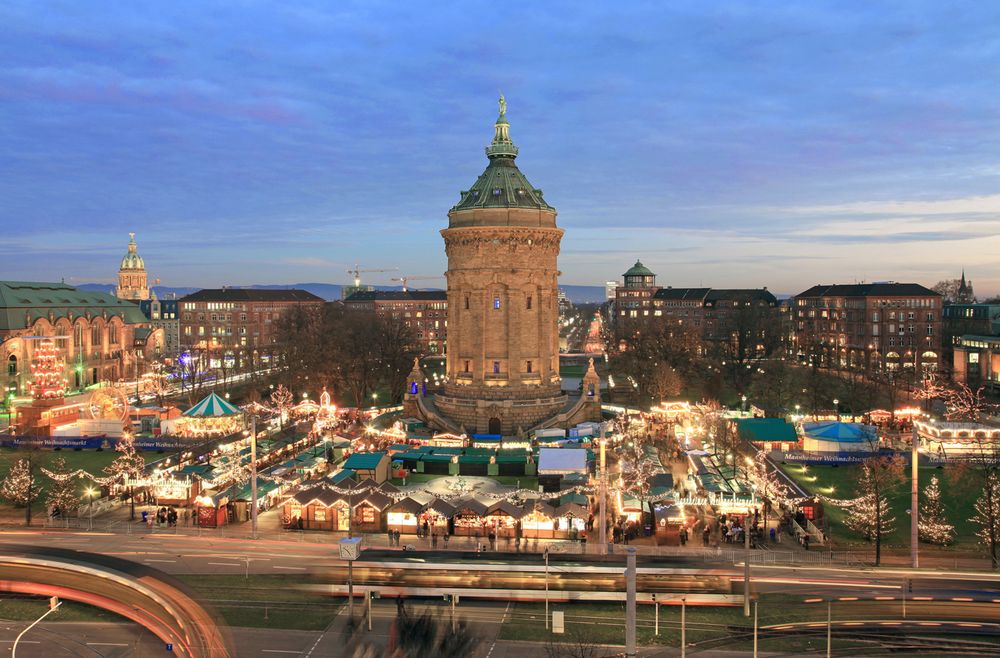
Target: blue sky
[(724, 144)]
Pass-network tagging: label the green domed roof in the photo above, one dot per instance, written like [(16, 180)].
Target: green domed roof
[(639, 270), (132, 260), (502, 185)]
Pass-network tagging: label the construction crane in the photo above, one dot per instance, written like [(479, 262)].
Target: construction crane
[(357, 274), (404, 279)]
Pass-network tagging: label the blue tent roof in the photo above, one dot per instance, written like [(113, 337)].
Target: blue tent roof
[(840, 432), (212, 406)]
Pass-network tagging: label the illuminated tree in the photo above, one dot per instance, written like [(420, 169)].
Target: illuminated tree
[(932, 524), (19, 487), (62, 493), (47, 372), (282, 400), (128, 465), (766, 484), (636, 467), (987, 516), (231, 469), (869, 514)]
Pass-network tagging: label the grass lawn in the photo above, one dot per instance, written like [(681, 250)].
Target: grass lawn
[(29, 608), (525, 481), (605, 624), (92, 461), (264, 601), (841, 482)]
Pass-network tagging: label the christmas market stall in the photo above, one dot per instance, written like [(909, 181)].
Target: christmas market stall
[(318, 508), (767, 433), (370, 508), (669, 518), (469, 521), (572, 515), (212, 417), (437, 515), (538, 520), (211, 509), (402, 516), (502, 517), (373, 465)]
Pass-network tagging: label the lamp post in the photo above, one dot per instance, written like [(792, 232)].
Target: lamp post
[(253, 476), (914, 497), (744, 399), (630, 612), (836, 408), (603, 532), (746, 565), (546, 588)]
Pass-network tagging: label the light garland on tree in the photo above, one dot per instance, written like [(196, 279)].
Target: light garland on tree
[(932, 525)]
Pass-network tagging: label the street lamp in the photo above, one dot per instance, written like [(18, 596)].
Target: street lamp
[(836, 408), (744, 398)]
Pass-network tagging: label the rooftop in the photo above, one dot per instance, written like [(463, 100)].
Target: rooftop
[(399, 295), (639, 270), (881, 289), (502, 185), (24, 302), (251, 295)]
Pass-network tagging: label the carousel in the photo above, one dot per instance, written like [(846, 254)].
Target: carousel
[(212, 417)]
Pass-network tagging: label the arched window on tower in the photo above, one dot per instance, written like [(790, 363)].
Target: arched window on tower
[(12, 366)]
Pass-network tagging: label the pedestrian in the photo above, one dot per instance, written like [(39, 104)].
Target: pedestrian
[(705, 535), (391, 536), (774, 536), (398, 535)]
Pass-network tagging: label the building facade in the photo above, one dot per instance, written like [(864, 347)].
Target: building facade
[(231, 320), (870, 326), (99, 338), (164, 314), (425, 311), (976, 361), (132, 280)]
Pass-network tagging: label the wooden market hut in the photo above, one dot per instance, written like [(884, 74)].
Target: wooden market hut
[(369, 511), (439, 515), (403, 515), (374, 465), (538, 520), (572, 515), (316, 508), (669, 519), (503, 517), (469, 519)]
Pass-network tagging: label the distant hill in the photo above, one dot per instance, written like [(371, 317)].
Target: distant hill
[(331, 291)]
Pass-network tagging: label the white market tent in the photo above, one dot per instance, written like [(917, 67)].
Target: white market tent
[(562, 461)]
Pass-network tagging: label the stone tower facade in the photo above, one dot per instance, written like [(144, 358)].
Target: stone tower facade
[(502, 243), (132, 283)]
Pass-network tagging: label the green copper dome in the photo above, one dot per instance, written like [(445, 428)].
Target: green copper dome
[(132, 260), (502, 185), (639, 270)]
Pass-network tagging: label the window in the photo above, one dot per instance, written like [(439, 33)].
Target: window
[(930, 330), (187, 331), (528, 305), (529, 366), (243, 317), (466, 302), (496, 302), (12, 366), (496, 367), (467, 363)]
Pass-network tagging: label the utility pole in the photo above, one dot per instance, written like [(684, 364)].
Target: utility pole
[(829, 634), (253, 475), (546, 588), (683, 627), (630, 604), (604, 494), (914, 498), (746, 565), (755, 629)]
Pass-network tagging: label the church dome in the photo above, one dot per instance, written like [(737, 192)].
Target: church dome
[(132, 260), (502, 185)]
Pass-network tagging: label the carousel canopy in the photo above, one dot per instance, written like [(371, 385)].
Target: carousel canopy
[(211, 407), (840, 432)]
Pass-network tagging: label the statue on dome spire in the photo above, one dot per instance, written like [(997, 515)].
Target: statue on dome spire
[(503, 105)]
